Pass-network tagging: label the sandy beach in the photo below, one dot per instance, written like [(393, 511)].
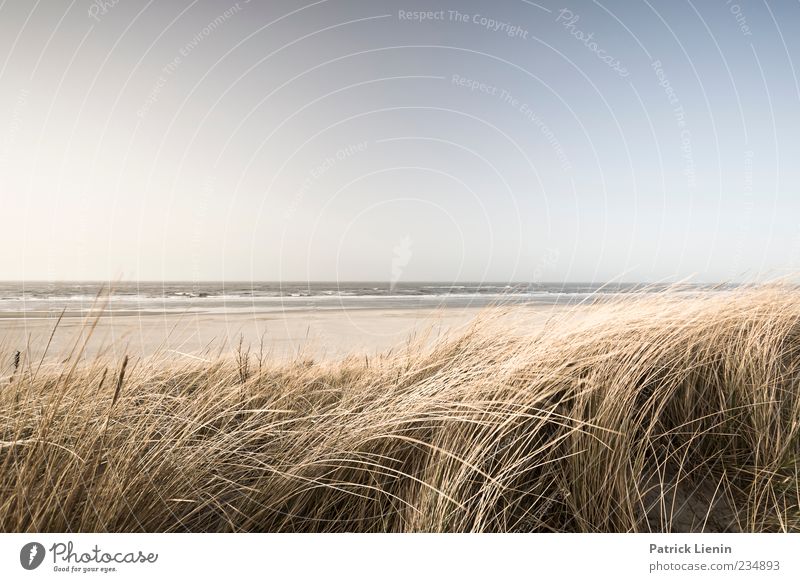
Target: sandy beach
[(530, 420), (321, 334)]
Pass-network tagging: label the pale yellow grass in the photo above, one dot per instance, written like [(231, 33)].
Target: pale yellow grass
[(660, 412)]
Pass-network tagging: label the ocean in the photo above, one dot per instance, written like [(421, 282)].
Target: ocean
[(46, 298)]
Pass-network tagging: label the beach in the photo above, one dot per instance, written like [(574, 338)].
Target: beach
[(321, 321), (658, 412), (319, 334)]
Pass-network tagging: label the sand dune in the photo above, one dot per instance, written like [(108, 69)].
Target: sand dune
[(657, 413)]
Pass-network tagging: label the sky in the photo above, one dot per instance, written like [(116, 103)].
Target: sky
[(654, 140)]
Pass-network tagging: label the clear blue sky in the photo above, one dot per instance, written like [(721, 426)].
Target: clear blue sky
[(574, 141)]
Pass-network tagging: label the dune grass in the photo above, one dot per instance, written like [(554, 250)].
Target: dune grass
[(661, 412)]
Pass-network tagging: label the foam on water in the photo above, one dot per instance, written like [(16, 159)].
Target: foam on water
[(214, 297)]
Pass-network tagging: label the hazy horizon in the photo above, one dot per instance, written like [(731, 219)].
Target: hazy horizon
[(373, 141), (687, 281)]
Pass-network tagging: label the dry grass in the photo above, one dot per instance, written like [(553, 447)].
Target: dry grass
[(659, 413)]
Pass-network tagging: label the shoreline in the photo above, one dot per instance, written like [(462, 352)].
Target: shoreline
[(619, 418)]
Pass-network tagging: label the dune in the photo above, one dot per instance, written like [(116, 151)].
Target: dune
[(659, 412)]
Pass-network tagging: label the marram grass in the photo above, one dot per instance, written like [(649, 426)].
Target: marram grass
[(662, 412)]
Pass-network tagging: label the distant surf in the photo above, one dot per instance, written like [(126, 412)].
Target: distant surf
[(218, 296)]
